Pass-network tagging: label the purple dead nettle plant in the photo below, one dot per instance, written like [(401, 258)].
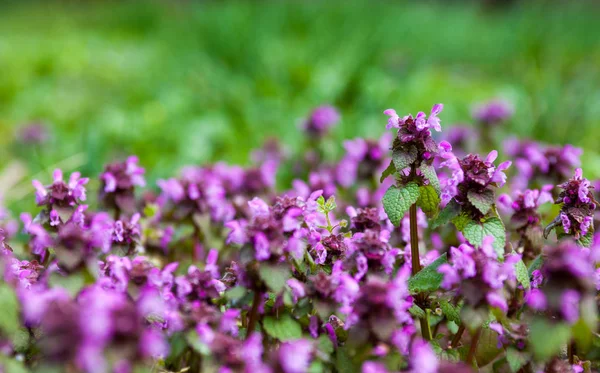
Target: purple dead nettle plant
[(413, 153), (381, 261)]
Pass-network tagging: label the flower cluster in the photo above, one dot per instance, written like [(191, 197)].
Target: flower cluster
[(413, 143), (578, 205), (526, 218), (321, 120), (538, 164), (493, 112), (344, 270), (472, 181), (118, 182), (478, 276), (565, 285)]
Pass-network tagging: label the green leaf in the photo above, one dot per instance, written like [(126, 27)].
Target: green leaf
[(236, 293), (344, 362), (428, 279), (429, 173), (448, 355), (487, 348), (274, 276), (417, 311), (522, 274), (390, 170), (461, 221), (429, 200), (325, 345), (316, 367), (150, 210), (474, 318), (73, 283), (9, 309), (547, 339), (397, 201), (516, 360), (448, 213), (482, 201), (475, 232), (535, 264), (10, 365), (450, 311), (586, 241), (403, 159), (284, 328), (583, 335), (330, 205)]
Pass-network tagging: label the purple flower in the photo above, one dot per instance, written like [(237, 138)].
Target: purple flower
[(295, 356), (33, 134), (413, 140), (398, 296), (493, 112), (478, 275), (420, 122), (568, 281), (541, 164), (570, 306), (229, 321), (471, 175), (373, 367), (40, 239), (578, 205), (423, 358), (237, 235), (526, 218), (321, 120), (536, 300), (297, 289), (61, 194), (251, 352), (118, 181)]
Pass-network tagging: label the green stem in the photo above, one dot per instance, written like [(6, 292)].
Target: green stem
[(571, 351), (425, 327), (254, 313), (414, 241), (416, 267), (457, 336), (329, 227), (473, 348)]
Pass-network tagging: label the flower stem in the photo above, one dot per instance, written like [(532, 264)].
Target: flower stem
[(425, 327), (473, 348), (414, 240), (457, 337), (571, 352), (416, 266), (254, 313)]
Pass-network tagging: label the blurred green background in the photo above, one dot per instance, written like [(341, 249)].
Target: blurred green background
[(180, 82)]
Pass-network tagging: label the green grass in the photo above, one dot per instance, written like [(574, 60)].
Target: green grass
[(186, 82)]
